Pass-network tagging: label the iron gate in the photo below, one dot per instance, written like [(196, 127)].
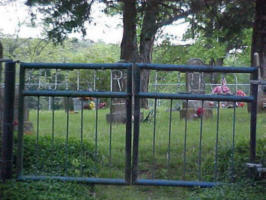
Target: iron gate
[(189, 96), (133, 94)]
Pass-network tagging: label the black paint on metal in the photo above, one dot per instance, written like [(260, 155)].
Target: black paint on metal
[(8, 118), (136, 71), (128, 127), (253, 117), (20, 122)]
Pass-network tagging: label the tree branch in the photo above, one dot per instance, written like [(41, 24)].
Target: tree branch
[(173, 18)]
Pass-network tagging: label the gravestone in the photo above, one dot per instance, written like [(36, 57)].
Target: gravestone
[(262, 88), (195, 84), (195, 80), (28, 127), (261, 99), (118, 107)]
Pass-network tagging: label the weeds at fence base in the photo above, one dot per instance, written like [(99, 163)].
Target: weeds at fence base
[(44, 190)]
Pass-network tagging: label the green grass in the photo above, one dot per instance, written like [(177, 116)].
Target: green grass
[(148, 164), (113, 167)]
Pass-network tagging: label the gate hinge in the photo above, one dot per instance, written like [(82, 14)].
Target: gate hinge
[(4, 60), (259, 169), (258, 82)]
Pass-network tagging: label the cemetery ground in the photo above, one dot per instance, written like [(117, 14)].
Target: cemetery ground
[(110, 162)]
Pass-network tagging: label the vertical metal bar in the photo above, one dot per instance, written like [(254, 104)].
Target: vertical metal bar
[(169, 135), (128, 126), (233, 141), (20, 122), (200, 139), (81, 140), (110, 134), (111, 81), (185, 143), (53, 120), (94, 80), (38, 120), (67, 81), (156, 81), (55, 84), (78, 79), (8, 118), (49, 101), (96, 127), (67, 134), (136, 122), (253, 117), (216, 142), (39, 83), (37, 133), (154, 139)]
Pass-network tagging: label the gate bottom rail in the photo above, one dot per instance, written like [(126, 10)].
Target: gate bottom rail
[(162, 182), (89, 180), (111, 181)]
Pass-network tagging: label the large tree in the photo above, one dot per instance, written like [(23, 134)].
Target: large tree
[(259, 35), (227, 20), (221, 19), (141, 21)]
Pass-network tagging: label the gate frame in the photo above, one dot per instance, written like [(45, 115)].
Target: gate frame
[(131, 161), (188, 96), (126, 95), (8, 118)]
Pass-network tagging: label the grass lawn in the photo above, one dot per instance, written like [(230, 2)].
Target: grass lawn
[(157, 162)]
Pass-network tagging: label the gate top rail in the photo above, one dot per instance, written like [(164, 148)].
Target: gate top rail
[(191, 96), (197, 68), (159, 67), (70, 66), (71, 93)]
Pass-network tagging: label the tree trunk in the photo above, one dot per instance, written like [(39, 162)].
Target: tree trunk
[(1, 100), (259, 46), (148, 32), (259, 35), (1, 56), (129, 50)]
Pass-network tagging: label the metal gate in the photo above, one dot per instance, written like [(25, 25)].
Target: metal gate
[(132, 94), (189, 96)]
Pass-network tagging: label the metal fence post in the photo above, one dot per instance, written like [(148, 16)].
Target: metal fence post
[(7, 135), (128, 126), (136, 72), (253, 117), (20, 121)]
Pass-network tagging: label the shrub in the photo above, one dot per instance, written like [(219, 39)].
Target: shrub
[(52, 158), (243, 188), (236, 191), (241, 156), (58, 158), (44, 190)]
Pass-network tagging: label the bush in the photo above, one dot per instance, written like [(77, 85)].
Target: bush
[(57, 158), (243, 188), (237, 191), (52, 159), (241, 156), (44, 190)]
